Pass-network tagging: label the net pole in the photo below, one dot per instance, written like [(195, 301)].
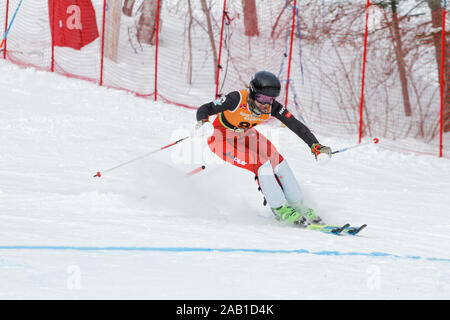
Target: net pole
[(6, 27), (361, 107), (52, 68), (102, 58), (220, 47), (441, 121), (156, 48), (290, 53)]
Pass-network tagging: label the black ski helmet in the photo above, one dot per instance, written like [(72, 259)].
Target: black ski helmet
[(266, 83)]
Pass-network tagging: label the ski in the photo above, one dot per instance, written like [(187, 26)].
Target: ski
[(345, 229), (326, 228)]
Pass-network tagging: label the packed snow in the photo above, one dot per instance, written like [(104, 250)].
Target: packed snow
[(147, 231)]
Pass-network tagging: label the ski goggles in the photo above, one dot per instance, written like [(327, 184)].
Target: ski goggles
[(264, 99)]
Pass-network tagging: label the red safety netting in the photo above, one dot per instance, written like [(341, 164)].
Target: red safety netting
[(210, 47)]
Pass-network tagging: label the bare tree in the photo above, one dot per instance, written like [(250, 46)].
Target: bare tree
[(146, 30), (127, 8), (207, 12), (400, 55), (112, 30), (274, 27), (250, 18), (147, 22)]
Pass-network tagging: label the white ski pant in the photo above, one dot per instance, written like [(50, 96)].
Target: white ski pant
[(277, 194)]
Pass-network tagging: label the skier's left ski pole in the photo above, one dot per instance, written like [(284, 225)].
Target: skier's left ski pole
[(10, 24), (99, 174), (375, 141)]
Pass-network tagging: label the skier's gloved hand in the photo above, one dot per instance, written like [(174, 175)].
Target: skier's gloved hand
[(317, 149), (203, 128), (200, 123)]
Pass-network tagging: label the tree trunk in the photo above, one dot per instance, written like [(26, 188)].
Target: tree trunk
[(112, 30), (250, 18), (400, 55), (274, 27), (147, 22), (127, 8), (436, 21), (211, 36)]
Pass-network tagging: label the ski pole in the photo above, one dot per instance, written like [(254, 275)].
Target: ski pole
[(195, 171), (375, 141), (10, 24), (99, 174)]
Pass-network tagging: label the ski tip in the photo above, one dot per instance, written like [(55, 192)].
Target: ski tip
[(362, 227), (357, 230)]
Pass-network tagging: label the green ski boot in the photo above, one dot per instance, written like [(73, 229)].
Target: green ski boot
[(308, 213), (288, 214)]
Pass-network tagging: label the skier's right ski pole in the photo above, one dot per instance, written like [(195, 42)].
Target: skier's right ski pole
[(99, 174), (195, 171), (198, 134), (375, 141), (10, 24)]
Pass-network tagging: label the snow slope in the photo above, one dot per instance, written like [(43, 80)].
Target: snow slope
[(145, 231)]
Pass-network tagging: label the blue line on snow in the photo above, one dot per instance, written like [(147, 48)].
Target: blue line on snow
[(190, 249)]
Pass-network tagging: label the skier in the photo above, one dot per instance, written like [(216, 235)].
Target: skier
[(236, 141)]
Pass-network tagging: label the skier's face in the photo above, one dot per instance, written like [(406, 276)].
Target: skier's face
[(264, 107)]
